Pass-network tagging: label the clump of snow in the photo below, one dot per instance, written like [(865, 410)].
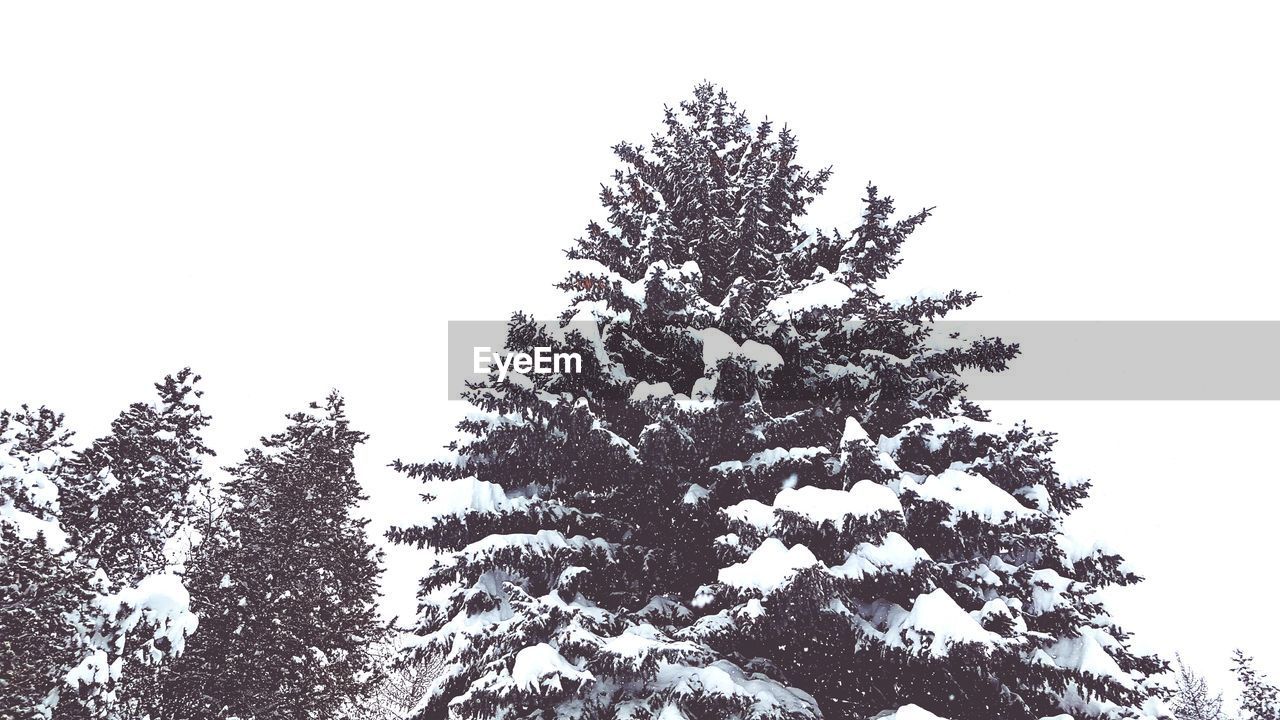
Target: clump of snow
[(770, 566), (828, 505), (767, 458), (1076, 548), (751, 512), (934, 624), (458, 497), (32, 488), (703, 389), (853, 432), (767, 697), (752, 609), (915, 712), (908, 712), (29, 527), (971, 494), (894, 554), (695, 494), (717, 345), (645, 391), (1087, 655), (544, 542), (1038, 494), (638, 641), (159, 601), (820, 505), (1047, 591), (95, 669), (542, 667), (864, 498), (826, 293), (760, 355)]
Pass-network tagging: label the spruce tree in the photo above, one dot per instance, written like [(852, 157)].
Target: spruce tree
[(1192, 698), (285, 585), (41, 583), (765, 495), (1259, 699), (125, 497), (129, 492)]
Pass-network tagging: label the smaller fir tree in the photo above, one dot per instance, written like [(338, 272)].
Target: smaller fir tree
[(41, 584), (285, 586), (1259, 699), (129, 492), (1192, 698), (124, 498)]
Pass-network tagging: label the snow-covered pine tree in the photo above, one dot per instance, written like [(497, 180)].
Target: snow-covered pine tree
[(766, 495), (286, 588), (129, 492), (124, 498), (41, 584), (1259, 699), (1192, 698)]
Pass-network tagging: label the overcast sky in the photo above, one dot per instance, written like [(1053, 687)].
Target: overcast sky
[(296, 196)]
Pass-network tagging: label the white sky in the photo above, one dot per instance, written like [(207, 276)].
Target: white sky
[(296, 196)]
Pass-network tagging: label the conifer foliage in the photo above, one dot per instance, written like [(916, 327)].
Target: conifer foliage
[(1259, 699), (129, 492), (125, 497), (40, 588), (1192, 698), (285, 584), (766, 495), (89, 594), (103, 616)]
